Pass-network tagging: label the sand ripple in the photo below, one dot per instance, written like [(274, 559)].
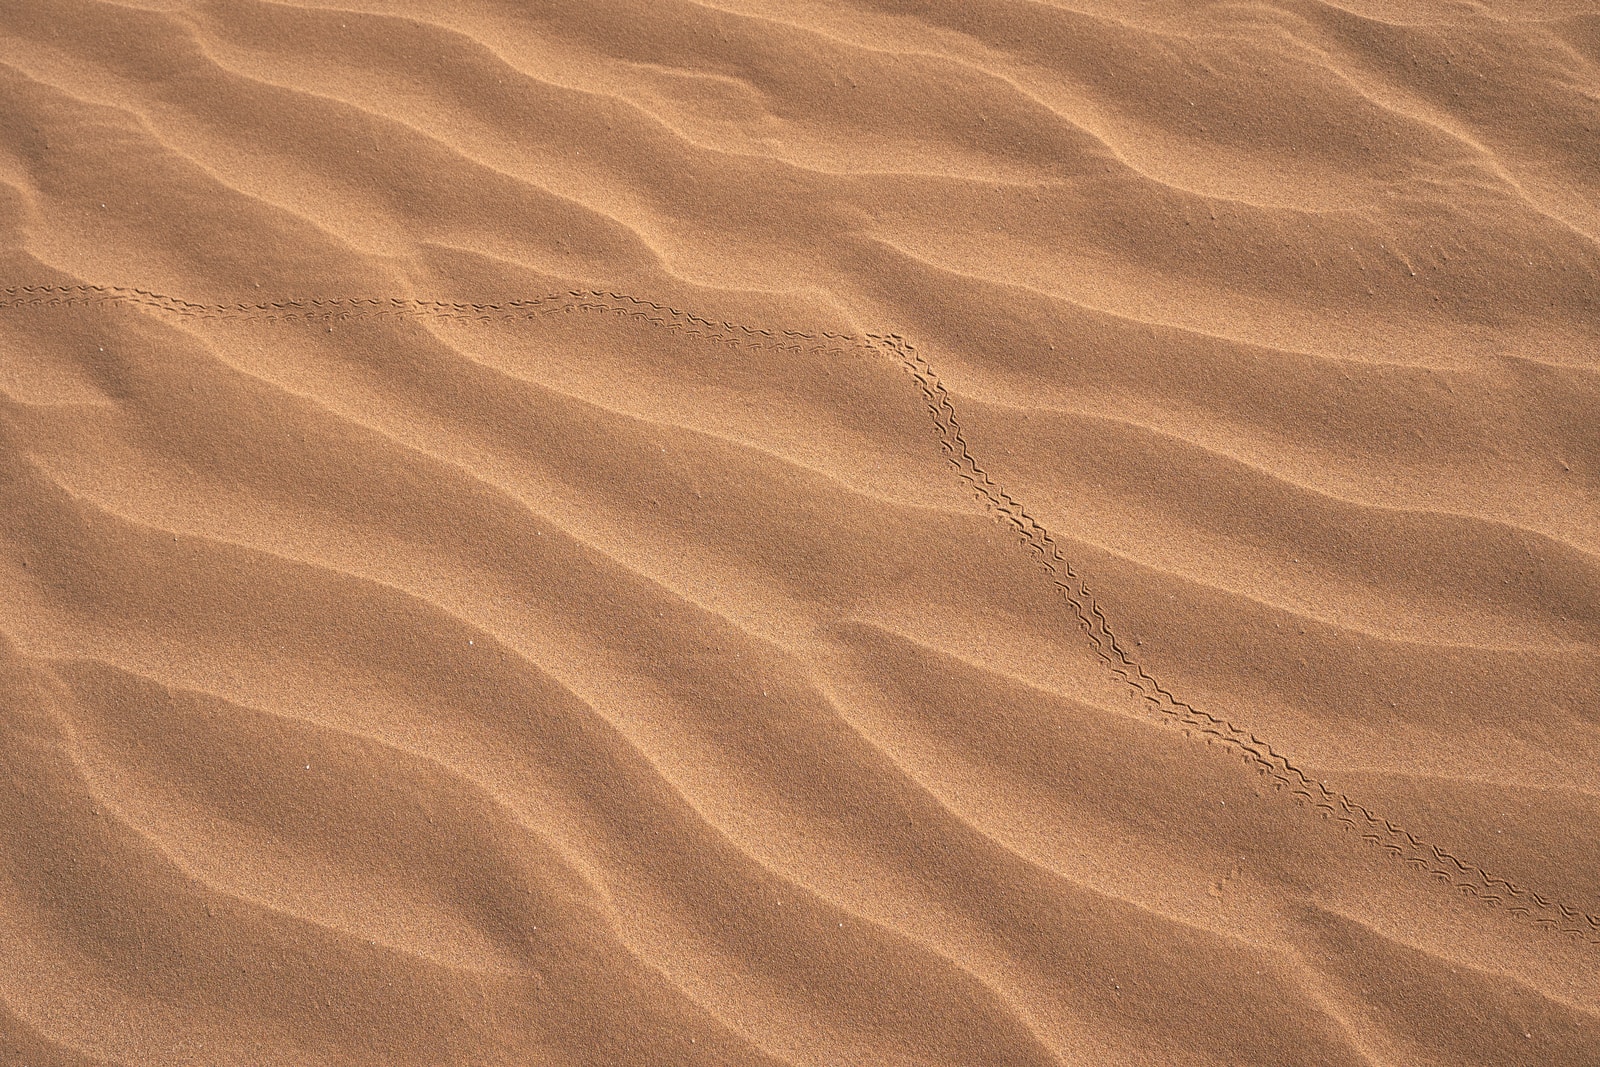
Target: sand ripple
[(492, 575)]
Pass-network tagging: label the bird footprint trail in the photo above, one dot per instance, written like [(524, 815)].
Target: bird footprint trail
[(1466, 877)]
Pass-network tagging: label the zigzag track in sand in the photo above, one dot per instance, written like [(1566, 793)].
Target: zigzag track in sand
[(1467, 878)]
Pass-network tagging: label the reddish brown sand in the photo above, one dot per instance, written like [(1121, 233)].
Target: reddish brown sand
[(971, 532)]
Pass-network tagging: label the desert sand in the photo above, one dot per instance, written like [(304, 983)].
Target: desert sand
[(971, 532)]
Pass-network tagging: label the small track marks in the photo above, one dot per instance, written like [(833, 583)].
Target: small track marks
[(1467, 878)]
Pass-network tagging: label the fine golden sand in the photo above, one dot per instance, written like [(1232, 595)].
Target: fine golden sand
[(638, 532)]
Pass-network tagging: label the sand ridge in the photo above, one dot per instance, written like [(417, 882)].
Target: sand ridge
[(397, 664)]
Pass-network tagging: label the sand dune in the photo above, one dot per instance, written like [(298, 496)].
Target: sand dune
[(873, 533)]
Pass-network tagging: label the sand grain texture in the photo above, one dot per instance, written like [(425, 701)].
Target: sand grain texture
[(968, 532)]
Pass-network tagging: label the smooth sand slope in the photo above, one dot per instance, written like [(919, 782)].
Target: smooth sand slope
[(954, 533)]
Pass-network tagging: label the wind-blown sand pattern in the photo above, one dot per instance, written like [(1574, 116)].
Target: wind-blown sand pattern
[(491, 573)]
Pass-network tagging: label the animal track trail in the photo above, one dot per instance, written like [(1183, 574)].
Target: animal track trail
[(341, 309), (1396, 842), (1468, 878)]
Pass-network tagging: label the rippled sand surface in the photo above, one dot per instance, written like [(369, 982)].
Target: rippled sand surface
[(969, 532)]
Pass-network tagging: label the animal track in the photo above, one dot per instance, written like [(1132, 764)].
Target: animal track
[(1467, 878), (1333, 804)]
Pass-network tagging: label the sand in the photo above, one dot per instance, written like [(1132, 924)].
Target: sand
[(978, 532)]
